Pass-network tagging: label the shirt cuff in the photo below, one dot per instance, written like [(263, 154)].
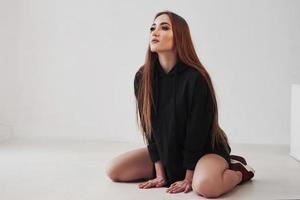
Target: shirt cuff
[(190, 159), (153, 152)]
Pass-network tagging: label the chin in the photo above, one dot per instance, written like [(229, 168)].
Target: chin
[(154, 50), (158, 50)]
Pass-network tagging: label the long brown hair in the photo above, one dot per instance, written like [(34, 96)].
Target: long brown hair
[(187, 54)]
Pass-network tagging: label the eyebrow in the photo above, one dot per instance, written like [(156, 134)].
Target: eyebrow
[(161, 23)]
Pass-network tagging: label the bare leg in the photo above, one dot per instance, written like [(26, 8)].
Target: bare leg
[(131, 166), (230, 179), (212, 176)]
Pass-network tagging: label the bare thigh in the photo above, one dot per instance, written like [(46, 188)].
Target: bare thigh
[(208, 174), (131, 166)]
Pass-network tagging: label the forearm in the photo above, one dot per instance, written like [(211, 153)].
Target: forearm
[(159, 169), (189, 175)]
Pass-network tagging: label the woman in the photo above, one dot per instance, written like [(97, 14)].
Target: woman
[(177, 112)]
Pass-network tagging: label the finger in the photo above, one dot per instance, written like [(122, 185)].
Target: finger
[(174, 189), (167, 190), (144, 184), (187, 188), (175, 186), (148, 185), (141, 185), (172, 185), (170, 188), (180, 189), (160, 184), (151, 184)]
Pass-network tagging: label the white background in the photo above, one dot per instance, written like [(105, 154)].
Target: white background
[(67, 67)]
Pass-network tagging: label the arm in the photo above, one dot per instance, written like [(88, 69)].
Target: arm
[(151, 142), (152, 148), (137, 80), (198, 123), (189, 175), (197, 132), (159, 169)]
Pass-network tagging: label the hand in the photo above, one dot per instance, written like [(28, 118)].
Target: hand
[(157, 182), (180, 186)]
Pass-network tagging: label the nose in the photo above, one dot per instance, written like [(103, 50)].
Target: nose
[(155, 32)]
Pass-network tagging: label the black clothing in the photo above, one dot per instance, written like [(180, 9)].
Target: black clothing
[(181, 119)]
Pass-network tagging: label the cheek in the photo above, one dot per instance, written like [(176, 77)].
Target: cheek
[(168, 40)]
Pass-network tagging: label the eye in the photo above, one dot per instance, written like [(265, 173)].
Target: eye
[(152, 28), (165, 28)]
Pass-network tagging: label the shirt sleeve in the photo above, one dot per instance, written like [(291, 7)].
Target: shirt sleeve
[(151, 144), (198, 124), (152, 149), (137, 80)]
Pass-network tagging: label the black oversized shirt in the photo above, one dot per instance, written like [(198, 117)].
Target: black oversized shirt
[(181, 118)]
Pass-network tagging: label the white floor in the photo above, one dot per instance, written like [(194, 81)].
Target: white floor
[(55, 170)]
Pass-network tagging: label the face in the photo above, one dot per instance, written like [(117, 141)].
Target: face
[(161, 30)]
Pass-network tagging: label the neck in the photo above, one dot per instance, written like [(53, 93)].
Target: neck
[(167, 60)]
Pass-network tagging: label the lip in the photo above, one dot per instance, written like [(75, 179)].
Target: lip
[(154, 40)]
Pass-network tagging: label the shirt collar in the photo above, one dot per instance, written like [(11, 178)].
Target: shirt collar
[(178, 67)]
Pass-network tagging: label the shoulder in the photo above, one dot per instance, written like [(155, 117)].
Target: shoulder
[(137, 79), (140, 70), (138, 74), (193, 75), (195, 81)]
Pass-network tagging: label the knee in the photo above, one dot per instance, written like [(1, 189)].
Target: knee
[(111, 171), (207, 188)]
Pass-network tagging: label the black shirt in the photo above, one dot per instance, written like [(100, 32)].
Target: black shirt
[(181, 119)]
